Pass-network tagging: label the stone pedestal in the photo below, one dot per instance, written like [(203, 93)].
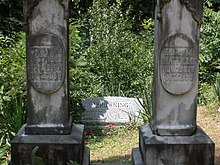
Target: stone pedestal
[(197, 149), (53, 149), (47, 66)]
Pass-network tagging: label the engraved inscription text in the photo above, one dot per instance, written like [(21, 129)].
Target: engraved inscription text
[(178, 64), (46, 63)]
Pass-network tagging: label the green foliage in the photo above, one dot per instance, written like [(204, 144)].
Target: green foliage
[(36, 160), (209, 53), (71, 162), (83, 83), (206, 95), (11, 18), (146, 111), (12, 95), (107, 57), (111, 53), (4, 154), (210, 41), (112, 145), (216, 88), (98, 134), (137, 11), (11, 120), (13, 71), (121, 59)]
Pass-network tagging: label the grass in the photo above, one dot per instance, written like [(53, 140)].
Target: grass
[(112, 145), (209, 121)]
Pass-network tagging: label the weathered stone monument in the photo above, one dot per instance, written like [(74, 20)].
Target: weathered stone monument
[(102, 111), (172, 137), (49, 126)]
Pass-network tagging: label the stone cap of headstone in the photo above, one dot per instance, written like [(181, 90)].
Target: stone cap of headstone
[(102, 111)]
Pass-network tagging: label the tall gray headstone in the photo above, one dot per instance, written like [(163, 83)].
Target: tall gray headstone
[(47, 67), (172, 137), (49, 126), (176, 66)]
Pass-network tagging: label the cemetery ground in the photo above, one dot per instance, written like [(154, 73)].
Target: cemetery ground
[(114, 145)]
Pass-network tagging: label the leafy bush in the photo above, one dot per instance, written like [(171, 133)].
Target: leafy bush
[(83, 83), (107, 58), (11, 120), (216, 88), (206, 95), (209, 54), (12, 93), (210, 41), (146, 111), (121, 58), (13, 71)]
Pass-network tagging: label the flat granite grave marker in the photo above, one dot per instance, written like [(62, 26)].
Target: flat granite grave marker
[(173, 137), (111, 110), (49, 126)]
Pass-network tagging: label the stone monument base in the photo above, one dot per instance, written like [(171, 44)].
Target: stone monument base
[(49, 130), (197, 149), (51, 149)]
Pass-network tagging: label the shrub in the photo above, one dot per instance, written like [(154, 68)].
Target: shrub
[(216, 88), (12, 93), (210, 41), (12, 117), (107, 58), (121, 58), (13, 71)]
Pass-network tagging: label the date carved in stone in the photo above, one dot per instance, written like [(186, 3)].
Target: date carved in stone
[(178, 64), (46, 63)]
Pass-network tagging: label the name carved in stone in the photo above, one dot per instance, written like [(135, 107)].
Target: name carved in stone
[(178, 64), (111, 109), (46, 63)]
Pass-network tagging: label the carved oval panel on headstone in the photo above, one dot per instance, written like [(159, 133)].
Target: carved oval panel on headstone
[(46, 63), (178, 64)]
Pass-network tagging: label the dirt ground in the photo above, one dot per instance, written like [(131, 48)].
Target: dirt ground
[(209, 120)]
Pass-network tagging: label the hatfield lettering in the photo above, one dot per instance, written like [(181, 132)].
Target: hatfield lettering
[(178, 64)]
